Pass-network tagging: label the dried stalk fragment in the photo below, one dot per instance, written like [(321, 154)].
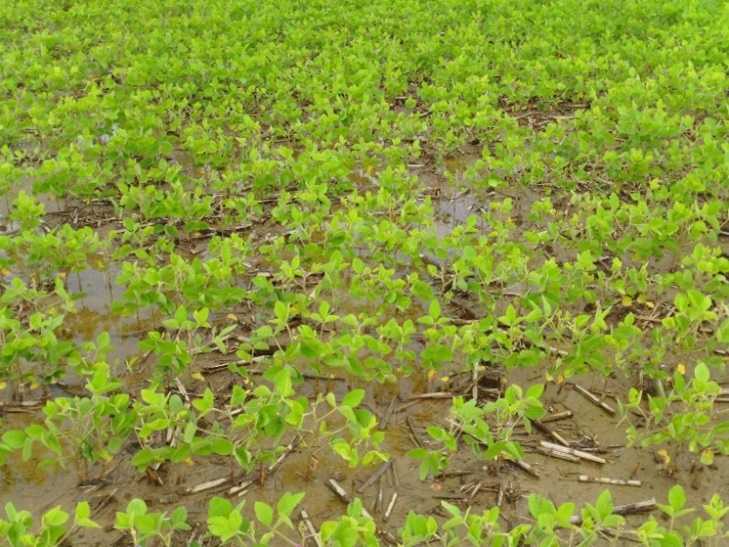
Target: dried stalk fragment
[(374, 477), (310, 530), (627, 509), (413, 435), (595, 399), (208, 485), (432, 395), (556, 417), (521, 464), (241, 488), (558, 454), (606, 480), (573, 452), (539, 426), (390, 507)]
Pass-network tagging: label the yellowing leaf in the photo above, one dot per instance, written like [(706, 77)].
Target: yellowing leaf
[(707, 456), (663, 457)]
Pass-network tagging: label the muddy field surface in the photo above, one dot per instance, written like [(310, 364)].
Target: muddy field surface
[(404, 408), (341, 274)]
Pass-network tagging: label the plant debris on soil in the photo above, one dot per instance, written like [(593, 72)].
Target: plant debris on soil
[(343, 273)]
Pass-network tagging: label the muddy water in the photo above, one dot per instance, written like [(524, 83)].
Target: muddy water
[(31, 484), (312, 463), (96, 291), (50, 204)]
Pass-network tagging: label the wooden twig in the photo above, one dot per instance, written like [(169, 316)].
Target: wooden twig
[(521, 464), (241, 488), (215, 368), (432, 395), (573, 452), (627, 509), (394, 475), (390, 507), (21, 406), (388, 413), (605, 480), (289, 448), (556, 417), (208, 485), (539, 426), (374, 477), (340, 492), (310, 530), (558, 454), (414, 435), (594, 399), (378, 499)]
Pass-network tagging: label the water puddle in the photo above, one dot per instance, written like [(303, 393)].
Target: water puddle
[(453, 212), (50, 203), (96, 291)]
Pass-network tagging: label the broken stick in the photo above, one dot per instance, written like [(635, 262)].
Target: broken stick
[(388, 413), (573, 452), (209, 485), (539, 426), (413, 435), (627, 509), (241, 488), (521, 464), (373, 478), (558, 454), (605, 480), (432, 395), (595, 399), (556, 416), (310, 530), (341, 493), (390, 507)]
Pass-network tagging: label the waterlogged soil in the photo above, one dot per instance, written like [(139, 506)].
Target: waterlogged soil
[(469, 481), (541, 186)]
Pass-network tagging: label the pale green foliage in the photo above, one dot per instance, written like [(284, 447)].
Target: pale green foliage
[(311, 198)]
